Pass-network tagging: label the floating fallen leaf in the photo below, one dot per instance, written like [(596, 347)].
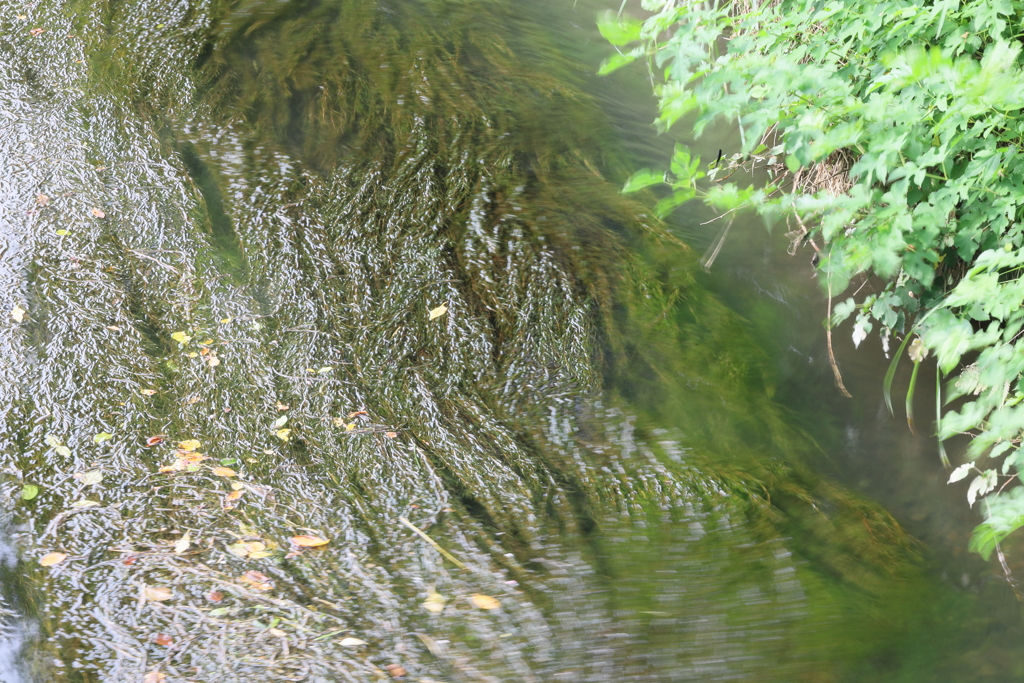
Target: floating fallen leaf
[(282, 406), (18, 313), (154, 677), (213, 362), (352, 642), (237, 486), (192, 354), (260, 555), (396, 670), (276, 632), (189, 445), (225, 321), (29, 491), (339, 422), (98, 212), (257, 580), (37, 31), (325, 370), (308, 541), (92, 477), (181, 337), (438, 312), (42, 199), (84, 504), (224, 472), (240, 549), (163, 639), (484, 601), (391, 435), (52, 559), (284, 434), (63, 450), (214, 596), (147, 392), (255, 546), (157, 593), (154, 440), (350, 426), (62, 232), (102, 436), (219, 612), (233, 496), (435, 603), (52, 441), (183, 543), (280, 422)]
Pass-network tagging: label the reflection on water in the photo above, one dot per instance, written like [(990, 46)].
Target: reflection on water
[(249, 212)]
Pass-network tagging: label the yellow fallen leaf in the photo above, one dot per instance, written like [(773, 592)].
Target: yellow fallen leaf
[(147, 392), (18, 313), (233, 496), (154, 677), (276, 632), (183, 543), (237, 486), (284, 434), (435, 603), (391, 435), (213, 362), (224, 472), (52, 559), (484, 601), (157, 593), (189, 445), (181, 337), (225, 321), (255, 547), (438, 312), (308, 541), (350, 426), (259, 555)]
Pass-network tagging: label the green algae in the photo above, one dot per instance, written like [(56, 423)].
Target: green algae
[(295, 186)]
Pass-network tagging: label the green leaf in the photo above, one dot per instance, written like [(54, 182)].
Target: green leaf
[(101, 437), (92, 477), (280, 422), (29, 491), (181, 337), (616, 61), (641, 179), (618, 29)]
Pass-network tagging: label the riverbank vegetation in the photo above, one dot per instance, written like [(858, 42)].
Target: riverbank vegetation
[(886, 137)]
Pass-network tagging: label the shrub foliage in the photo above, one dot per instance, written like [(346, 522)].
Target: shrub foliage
[(888, 135)]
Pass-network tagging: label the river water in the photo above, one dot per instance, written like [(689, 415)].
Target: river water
[(372, 257)]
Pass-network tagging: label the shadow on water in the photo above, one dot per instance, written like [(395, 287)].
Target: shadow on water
[(373, 258)]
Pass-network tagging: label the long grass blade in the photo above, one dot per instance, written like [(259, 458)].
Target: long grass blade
[(938, 415), (891, 373), (910, 397)]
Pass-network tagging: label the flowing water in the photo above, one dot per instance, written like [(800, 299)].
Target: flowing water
[(372, 257)]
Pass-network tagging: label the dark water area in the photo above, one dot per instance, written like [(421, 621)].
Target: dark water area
[(371, 260)]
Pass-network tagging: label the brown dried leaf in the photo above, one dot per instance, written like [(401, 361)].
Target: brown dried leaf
[(189, 445), (214, 596), (154, 677), (257, 580), (52, 558), (224, 472), (147, 392), (153, 440), (234, 495), (98, 212), (309, 541), (396, 670), (42, 199), (391, 435), (163, 639)]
